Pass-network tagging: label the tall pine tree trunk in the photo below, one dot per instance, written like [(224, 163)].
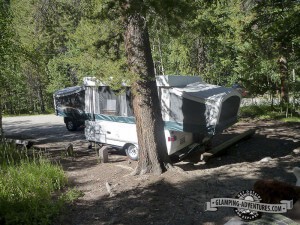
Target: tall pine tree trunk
[(41, 98), (200, 56), (1, 124), (161, 57), (153, 156), (283, 67)]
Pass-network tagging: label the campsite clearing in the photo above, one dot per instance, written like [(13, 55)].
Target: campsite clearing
[(113, 196)]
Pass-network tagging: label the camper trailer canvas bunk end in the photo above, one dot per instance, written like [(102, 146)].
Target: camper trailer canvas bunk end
[(69, 103), (192, 111)]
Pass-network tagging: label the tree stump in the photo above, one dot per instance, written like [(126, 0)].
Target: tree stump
[(103, 154)]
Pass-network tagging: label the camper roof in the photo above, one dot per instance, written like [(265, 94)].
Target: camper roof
[(200, 92), (68, 91), (92, 81), (161, 81), (176, 81)]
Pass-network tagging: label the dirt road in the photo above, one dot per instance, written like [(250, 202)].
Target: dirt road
[(113, 196), (41, 129)]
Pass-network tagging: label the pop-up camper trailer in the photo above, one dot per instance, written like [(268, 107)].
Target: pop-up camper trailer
[(69, 103), (191, 110)]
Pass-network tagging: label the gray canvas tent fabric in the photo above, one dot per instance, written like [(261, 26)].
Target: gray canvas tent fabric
[(70, 102), (104, 101), (68, 91), (200, 91), (203, 108), (91, 97), (188, 104)]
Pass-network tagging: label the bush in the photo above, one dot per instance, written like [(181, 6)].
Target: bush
[(291, 119), (27, 187), (266, 112)]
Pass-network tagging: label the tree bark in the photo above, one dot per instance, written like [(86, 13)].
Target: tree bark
[(200, 56), (284, 75), (41, 96), (153, 157), (1, 126), (160, 56)]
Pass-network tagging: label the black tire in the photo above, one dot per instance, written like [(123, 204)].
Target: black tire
[(132, 152), (71, 125)]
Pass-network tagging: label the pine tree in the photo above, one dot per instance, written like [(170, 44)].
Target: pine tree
[(6, 54), (135, 14)]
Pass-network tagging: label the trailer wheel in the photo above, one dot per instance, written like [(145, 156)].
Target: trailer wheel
[(71, 125), (132, 152)]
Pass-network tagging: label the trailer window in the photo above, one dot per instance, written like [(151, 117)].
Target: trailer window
[(114, 103), (75, 100), (128, 103), (107, 101), (91, 99)]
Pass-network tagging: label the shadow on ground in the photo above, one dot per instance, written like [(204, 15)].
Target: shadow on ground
[(168, 203), (254, 149), (174, 198)]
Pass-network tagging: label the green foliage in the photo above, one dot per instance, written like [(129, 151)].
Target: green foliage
[(7, 46), (71, 195), (49, 45), (266, 112), (94, 48), (272, 32), (27, 185), (208, 46), (291, 120), (260, 112)]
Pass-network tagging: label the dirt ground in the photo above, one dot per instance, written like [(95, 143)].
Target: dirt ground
[(177, 196)]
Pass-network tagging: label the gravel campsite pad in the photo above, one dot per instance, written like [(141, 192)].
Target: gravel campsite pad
[(113, 196)]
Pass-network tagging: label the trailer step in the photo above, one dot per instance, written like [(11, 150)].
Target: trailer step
[(217, 150), (192, 148)]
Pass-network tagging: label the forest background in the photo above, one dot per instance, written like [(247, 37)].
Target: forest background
[(48, 45)]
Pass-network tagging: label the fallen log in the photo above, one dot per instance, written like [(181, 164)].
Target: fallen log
[(217, 150), (19, 143)]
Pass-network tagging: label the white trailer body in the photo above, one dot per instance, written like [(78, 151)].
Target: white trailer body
[(191, 110), (123, 134)]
